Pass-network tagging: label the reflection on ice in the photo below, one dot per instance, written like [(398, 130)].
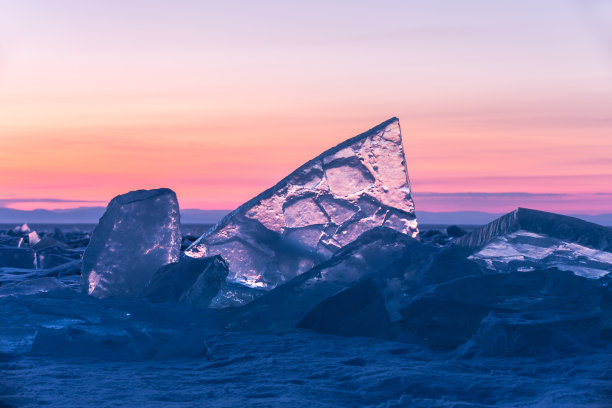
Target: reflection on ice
[(138, 234), (525, 239), (322, 206), (511, 252)]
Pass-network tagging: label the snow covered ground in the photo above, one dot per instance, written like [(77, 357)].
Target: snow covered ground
[(298, 368)]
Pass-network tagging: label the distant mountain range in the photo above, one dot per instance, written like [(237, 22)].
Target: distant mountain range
[(480, 218), (91, 215)]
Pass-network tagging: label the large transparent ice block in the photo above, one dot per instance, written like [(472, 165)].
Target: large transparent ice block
[(323, 205), (138, 234)]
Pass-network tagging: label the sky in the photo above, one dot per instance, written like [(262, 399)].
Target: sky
[(502, 103)]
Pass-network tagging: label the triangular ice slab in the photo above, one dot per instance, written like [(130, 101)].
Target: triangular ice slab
[(323, 205)]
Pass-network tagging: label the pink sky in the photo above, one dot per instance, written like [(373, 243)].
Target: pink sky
[(220, 101)]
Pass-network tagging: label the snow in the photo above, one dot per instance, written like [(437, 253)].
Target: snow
[(320, 207), (299, 368), (138, 234)]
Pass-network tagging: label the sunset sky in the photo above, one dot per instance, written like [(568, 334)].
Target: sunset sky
[(501, 103)]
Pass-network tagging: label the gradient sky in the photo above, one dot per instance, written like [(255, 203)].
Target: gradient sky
[(502, 103)]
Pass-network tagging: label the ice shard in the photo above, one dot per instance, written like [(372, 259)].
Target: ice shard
[(322, 206), (138, 234), (525, 239), (191, 280)]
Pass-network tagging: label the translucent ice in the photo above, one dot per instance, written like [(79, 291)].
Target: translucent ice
[(451, 313), (33, 238), (138, 234), (193, 281), (524, 240), (323, 205)]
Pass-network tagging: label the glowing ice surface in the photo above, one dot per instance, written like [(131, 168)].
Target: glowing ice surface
[(138, 234), (323, 205), (524, 240), (525, 248)]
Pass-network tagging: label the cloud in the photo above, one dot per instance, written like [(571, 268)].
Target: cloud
[(489, 195), (8, 201), (499, 202)]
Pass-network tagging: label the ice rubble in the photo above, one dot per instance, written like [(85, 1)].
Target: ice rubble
[(452, 312), (138, 234), (322, 206), (389, 286), (397, 266), (524, 240)]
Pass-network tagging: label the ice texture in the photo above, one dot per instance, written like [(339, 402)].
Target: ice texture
[(322, 206), (373, 277), (138, 234), (539, 338), (357, 311), (524, 240), (191, 280), (452, 312), (557, 226)]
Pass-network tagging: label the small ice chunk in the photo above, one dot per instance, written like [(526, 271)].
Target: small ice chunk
[(191, 280), (31, 287), (48, 242), (11, 241), (33, 238), (17, 258), (48, 260), (21, 229), (138, 234), (59, 235)]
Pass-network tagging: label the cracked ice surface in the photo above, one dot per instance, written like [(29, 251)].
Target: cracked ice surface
[(524, 251), (325, 204), (138, 234)]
